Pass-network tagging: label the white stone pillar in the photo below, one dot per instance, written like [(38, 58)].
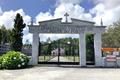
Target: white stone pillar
[(82, 49), (97, 49), (35, 44)]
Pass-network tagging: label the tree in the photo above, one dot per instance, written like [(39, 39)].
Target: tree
[(3, 35), (9, 36), (0, 36), (111, 38), (49, 46), (17, 34)]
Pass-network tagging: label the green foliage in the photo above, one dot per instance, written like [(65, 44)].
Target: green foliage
[(49, 49), (111, 38), (4, 35), (90, 47), (17, 34), (9, 36), (13, 60)]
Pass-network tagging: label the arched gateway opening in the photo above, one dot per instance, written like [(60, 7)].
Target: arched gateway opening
[(75, 26)]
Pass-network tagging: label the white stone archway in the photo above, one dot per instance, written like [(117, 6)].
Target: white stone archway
[(76, 26)]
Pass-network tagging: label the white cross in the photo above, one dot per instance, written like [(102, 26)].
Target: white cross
[(66, 16)]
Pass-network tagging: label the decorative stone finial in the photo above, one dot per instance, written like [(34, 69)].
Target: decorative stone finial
[(101, 22), (31, 21), (66, 16)]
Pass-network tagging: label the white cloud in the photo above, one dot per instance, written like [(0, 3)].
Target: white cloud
[(108, 15), (108, 10), (108, 3), (43, 37), (26, 30), (7, 17), (70, 6), (74, 10), (1, 11), (98, 9), (43, 16), (27, 37)]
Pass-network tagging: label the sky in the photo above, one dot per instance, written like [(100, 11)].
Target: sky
[(40, 10)]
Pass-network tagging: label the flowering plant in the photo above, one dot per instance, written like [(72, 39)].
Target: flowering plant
[(13, 60)]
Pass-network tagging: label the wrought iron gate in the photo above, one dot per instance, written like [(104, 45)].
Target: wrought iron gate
[(57, 52)]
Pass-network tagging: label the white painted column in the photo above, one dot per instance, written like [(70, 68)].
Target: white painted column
[(82, 49), (97, 49), (35, 44)]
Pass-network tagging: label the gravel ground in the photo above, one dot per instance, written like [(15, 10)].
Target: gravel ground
[(61, 73)]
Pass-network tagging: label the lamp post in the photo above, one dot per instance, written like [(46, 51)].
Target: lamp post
[(69, 44)]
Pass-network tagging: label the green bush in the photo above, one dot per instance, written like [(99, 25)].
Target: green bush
[(13, 60)]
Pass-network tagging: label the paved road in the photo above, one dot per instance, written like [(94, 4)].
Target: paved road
[(61, 73)]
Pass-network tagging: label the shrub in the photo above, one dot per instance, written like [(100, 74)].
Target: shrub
[(13, 60)]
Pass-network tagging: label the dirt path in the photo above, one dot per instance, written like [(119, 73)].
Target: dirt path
[(62, 59)]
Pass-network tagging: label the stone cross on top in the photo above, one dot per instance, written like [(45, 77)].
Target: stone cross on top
[(66, 16)]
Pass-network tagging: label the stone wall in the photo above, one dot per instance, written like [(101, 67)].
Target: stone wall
[(27, 51), (5, 48)]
